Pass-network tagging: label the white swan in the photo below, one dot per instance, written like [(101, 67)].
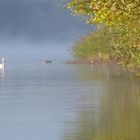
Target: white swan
[(2, 68), (2, 64)]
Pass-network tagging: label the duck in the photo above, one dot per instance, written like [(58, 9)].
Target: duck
[(48, 61)]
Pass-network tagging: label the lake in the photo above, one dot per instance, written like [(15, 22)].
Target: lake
[(68, 102)]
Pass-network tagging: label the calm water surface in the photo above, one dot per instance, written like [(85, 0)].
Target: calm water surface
[(66, 102)]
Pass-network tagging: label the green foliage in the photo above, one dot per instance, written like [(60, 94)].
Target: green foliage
[(126, 49), (118, 39), (93, 46), (108, 43), (121, 13)]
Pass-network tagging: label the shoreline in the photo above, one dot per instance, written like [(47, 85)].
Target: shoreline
[(93, 62), (105, 63)]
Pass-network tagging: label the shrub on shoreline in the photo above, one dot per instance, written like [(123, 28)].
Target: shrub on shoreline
[(108, 44)]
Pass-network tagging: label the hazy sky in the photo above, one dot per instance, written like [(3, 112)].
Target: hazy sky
[(37, 22)]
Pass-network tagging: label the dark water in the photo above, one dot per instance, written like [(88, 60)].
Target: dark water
[(66, 102)]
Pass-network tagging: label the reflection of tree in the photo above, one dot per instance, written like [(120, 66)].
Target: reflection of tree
[(121, 118), (117, 116), (98, 72)]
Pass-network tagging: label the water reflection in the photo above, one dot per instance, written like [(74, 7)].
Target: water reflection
[(1, 74), (113, 113), (59, 101)]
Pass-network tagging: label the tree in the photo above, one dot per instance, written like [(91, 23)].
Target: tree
[(122, 20), (118, 13)]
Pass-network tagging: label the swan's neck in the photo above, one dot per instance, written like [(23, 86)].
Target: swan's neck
[(2, 61)]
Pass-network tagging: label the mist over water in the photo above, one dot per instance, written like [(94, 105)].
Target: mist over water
[(29, 52), (37, 28)]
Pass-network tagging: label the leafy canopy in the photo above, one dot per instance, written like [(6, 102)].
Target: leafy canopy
[(118, 13)]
